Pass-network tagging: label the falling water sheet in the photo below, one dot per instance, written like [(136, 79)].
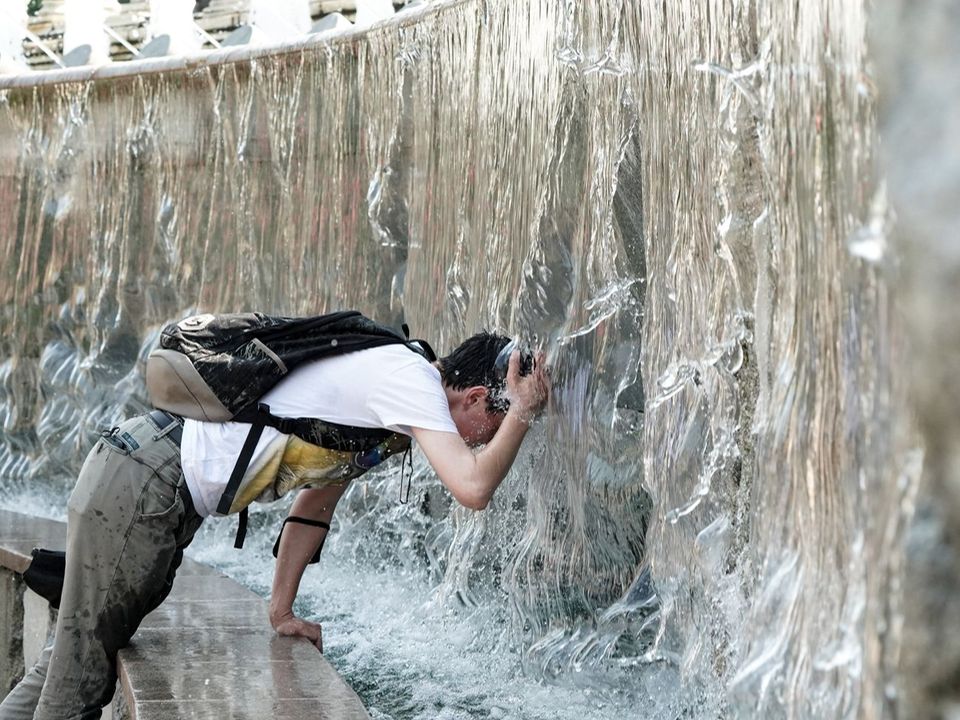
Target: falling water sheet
[(662, 195)]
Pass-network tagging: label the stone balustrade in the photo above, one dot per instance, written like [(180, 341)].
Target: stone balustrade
[(128, 25)]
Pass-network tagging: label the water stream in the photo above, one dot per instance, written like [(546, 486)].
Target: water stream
[(681, 202)]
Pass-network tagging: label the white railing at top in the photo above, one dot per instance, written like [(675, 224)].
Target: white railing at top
[(219, 56), (83, 24), (13, 31)]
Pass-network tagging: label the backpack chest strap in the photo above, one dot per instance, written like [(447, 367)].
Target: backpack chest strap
[(322, 433)]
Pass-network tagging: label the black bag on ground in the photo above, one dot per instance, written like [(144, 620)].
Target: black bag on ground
[(45, 574)]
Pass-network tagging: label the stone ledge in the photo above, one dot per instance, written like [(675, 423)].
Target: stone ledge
[(208, 651), (19, 534)]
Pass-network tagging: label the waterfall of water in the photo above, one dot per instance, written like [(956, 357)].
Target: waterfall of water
[(680, 201)]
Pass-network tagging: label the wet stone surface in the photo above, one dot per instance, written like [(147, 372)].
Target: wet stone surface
[(207, 652)]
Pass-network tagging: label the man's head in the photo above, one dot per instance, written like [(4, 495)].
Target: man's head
[(475, 388)]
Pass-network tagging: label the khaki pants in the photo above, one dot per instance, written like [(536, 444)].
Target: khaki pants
[(129, 519)]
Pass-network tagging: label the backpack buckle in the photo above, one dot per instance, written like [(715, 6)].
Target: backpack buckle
[(287, 426)]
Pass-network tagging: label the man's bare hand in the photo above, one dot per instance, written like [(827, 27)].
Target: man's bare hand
[(529, 393), (292, 626)]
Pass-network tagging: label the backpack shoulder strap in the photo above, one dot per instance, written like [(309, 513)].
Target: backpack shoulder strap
[(317, 432), (424, 347), (243, 461)]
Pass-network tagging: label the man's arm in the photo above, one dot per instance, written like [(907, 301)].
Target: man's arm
[(297, 545), (472, 478)]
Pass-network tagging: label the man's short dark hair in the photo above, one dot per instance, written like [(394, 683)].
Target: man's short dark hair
[(474, 363)]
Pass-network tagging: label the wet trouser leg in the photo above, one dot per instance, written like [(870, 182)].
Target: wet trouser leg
[(129, 519), (22, 701)]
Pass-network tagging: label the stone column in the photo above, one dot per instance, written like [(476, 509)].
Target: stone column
[(918, 53), (11, 629)]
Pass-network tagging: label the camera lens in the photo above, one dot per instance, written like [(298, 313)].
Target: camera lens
[(502, 363)]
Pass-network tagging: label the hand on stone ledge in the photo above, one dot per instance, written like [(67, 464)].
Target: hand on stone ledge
[(292, 626)]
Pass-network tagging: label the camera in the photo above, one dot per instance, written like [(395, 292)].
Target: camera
[(502, 363)]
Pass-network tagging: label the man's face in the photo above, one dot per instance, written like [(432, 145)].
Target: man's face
[(475, 425)]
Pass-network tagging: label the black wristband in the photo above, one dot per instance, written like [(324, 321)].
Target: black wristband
[(303, 521)]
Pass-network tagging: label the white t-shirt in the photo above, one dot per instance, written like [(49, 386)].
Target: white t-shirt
[(388, 387)]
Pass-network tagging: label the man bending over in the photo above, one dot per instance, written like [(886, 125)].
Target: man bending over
[(148, 484)]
